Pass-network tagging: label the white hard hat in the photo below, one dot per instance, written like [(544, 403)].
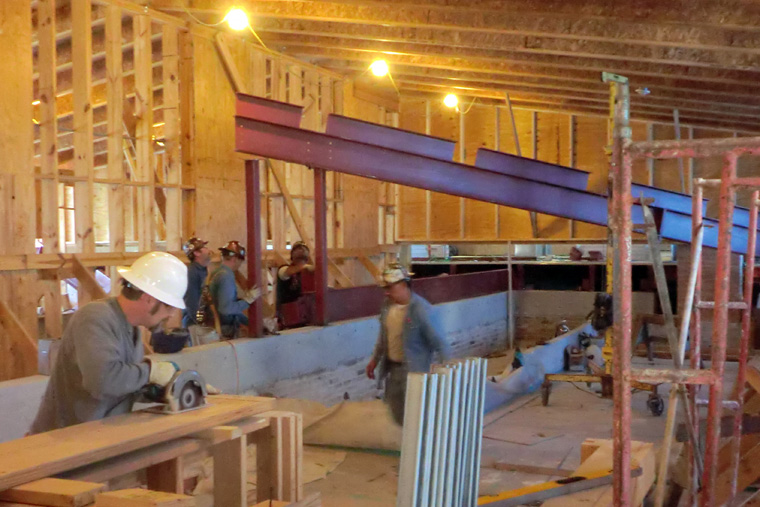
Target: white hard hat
[(160, 275), (393, 274)]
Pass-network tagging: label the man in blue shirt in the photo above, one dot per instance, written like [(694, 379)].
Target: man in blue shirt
[(229, 303), (197, 272), (408, 340)]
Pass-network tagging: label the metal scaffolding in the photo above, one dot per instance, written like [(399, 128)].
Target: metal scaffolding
[(624, 152)]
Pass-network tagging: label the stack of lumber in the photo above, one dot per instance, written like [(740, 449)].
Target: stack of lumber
[(52, 493), (441, 442)]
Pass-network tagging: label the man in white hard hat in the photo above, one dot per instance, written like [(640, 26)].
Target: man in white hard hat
[(408, 340), (100, 367)]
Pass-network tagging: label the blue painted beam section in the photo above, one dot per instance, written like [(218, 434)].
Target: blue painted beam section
[(677, 227), (528, 168), (666, 199)]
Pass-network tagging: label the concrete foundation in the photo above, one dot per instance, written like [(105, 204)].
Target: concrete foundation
[(321, 364)]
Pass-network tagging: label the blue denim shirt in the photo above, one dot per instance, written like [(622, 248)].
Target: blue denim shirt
[(421, 336), (196, 278), (224, 294)]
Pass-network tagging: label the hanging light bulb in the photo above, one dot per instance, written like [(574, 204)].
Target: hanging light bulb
[(237, 19), (450, 100), (379, 68)]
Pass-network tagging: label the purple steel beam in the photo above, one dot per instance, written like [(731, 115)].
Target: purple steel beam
[(341, 155), (389, 137), (677, 227), (720, 329), (253, 228), (530, 169), (249, 106)]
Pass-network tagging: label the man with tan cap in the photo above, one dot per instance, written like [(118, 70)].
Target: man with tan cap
[(100, 367), (408, 340)]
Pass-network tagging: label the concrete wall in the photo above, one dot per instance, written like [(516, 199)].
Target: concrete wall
[(321, 364), (539, 311)]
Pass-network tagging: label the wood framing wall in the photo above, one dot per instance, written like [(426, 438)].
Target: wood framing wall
[(575, 141), (117, 138)]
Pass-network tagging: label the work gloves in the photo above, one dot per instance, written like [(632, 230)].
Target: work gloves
[(161, 372), (251, 295)]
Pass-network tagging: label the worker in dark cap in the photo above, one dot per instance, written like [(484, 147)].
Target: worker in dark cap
[(197, 272), (230, 303)]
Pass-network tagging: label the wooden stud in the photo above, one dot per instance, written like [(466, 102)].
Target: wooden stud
[(339, 275), (187, 131), (268, 461), (81, 44), (497, 147), (236, 80), (46, 34), (115, 97), (144, 132), (172, 161), (428, 195), (650, 161), (534, 152), (21, 349), (462, 159), (88, 289), (572, 157), (166, 476), (373, 270)]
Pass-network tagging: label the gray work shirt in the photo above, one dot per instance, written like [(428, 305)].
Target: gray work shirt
[(99, 369)]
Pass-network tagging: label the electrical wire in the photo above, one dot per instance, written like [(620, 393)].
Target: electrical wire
[(201, 22), (472, 103)]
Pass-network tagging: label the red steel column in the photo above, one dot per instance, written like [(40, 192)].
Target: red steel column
[(320, 246), (720, 328), (621, 360), (741, 377), (695, 334), (253, 246)]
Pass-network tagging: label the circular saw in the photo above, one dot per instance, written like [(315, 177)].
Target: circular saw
[(185, 391)]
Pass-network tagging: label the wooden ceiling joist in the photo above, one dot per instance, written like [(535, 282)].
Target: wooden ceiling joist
[(526, 22)]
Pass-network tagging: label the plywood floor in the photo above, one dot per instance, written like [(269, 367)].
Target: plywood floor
[(541, 436)]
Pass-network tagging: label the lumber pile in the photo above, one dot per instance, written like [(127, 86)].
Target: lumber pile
[(143, 498), (441, 442), (53, 493)]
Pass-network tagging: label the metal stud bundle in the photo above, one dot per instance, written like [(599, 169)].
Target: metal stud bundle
[(443, 429)]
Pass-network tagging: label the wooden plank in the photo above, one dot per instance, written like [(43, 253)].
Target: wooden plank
[(54, 493), (166, 476), (531, 469), (223, 51), (22, 349), (118, 466), (81, 59), (220, 434), (289, 459), (53, 306), (89, 289), (339, 275), (230, 471), (373, 270), (144, 160), (172, 161), (292, 208), (80, 445), (115, 98), (268, 462), (143, 498), (46, 58)]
